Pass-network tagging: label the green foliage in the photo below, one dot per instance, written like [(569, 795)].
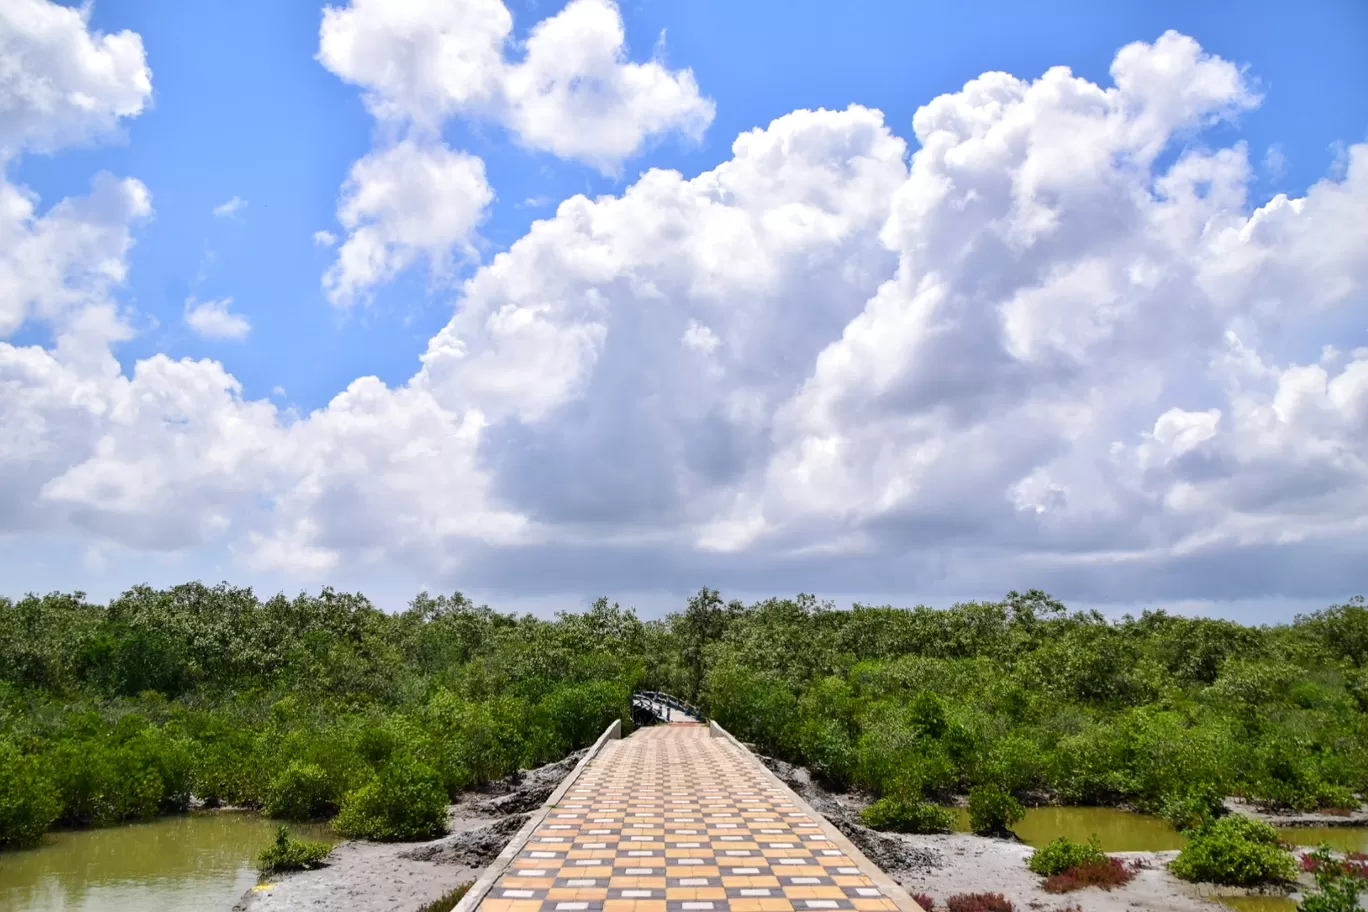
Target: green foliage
[(28, 800), (290, 854), (302, 791), (992, 811), (292, 702), (1338, 885), (1235, 851), (404, 800), (1061, 854), (448, 902), (902, 816), (1192, 810)]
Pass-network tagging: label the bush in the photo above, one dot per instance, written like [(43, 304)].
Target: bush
[(302, 791), (1338, 881), (404, 800), (902, 816), (1235, 851), (979, 902), (290, 854), (924, 900), (993, 812), (1063, 853), (29, 801), (448, 902), (1193, 810), (1105, 873)]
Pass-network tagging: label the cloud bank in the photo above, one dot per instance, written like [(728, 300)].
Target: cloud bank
[(1054, 345)]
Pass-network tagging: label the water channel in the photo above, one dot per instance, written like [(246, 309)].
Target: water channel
[(198, 862)]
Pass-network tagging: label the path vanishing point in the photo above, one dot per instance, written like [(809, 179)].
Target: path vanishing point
[(682, 818)]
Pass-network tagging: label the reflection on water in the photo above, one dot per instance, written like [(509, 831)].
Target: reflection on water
[(1119, 831), (193, 862)]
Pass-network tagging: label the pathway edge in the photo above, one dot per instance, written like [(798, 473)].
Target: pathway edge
[(500, 864), (887, 885)]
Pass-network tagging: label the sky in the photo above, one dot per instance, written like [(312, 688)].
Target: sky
[(892, 303)]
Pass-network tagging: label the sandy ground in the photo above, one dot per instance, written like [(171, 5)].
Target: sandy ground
[(1356, 817), (403, 877), (941, 866)]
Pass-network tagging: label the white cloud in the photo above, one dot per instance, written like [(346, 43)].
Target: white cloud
[(1032, 355), (574, 93), (324, 239), (60, 83), (230, 208), (403, 203), (216, 320)]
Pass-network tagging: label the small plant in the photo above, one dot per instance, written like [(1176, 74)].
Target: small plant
[(993, 812), (902, 816), (448, 902), (1338, 881), (290, 854), (924, 900), (1062, 853), (1235, 851), (405, 800), (301, 791), (1106, 874), (979, 902)]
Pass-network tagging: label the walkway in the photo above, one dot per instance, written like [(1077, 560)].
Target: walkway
[(673, 820)]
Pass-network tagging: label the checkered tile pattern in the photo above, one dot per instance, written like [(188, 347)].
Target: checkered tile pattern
[(672, 820)]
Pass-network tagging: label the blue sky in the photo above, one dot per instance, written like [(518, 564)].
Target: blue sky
[(247, 105)]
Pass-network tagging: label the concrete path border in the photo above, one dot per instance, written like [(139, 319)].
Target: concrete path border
[(477, 893), (887, 885)]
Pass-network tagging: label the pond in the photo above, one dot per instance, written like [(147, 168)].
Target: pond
[(198, 862), (1123, 831), (1119, 831), (1259, 903)]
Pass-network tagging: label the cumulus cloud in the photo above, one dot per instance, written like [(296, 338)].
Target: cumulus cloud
[(1039, 350), (230, 208), (409, 201), (61, 83), (216, 320), (574, 93)]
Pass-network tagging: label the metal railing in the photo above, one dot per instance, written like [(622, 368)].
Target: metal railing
[(662, 705)]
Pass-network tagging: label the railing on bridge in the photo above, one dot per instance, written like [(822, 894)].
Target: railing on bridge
[(662, 707)]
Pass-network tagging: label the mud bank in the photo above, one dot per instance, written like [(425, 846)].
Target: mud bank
[(403, 877), (1349, 817), (943, 865)]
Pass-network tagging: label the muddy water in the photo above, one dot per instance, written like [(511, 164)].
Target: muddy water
[(1259, 903), (1346, 839), (1119, 831), (193, 862)]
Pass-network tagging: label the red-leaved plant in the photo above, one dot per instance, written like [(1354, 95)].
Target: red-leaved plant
[(1107, 874), (979, 902)]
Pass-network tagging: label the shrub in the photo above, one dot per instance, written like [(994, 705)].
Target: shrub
[(1235, 851), (1338, 882), (927, 903), (29, 801), (1063, 853), (979, 902), (404, 800), (1193, 810), (1106, 874), (290, 854), (448, 902), (302, 791), (902, 816), (992, 812)]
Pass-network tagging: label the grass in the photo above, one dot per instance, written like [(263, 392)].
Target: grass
[(448, 902)]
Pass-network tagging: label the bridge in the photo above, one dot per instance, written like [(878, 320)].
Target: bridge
[(679, 817)]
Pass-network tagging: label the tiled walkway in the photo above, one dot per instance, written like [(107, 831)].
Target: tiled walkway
[(672, 820)]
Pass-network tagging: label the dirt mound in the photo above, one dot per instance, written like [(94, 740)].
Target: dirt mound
[(474, 848)]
